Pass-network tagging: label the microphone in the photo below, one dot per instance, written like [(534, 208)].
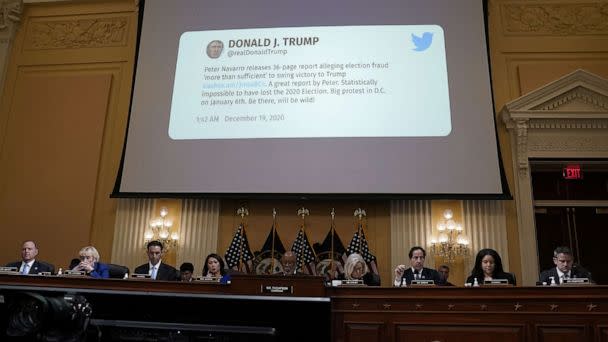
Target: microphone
[(416, 272)]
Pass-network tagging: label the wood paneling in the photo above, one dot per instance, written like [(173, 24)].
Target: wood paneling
[(457, 333), (473, 314), (602, 330), (497, 314), (51, 160), (562, 333), (364, 332), (63, 118)]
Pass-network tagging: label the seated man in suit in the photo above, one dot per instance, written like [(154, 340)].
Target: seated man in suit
[(28, 263), (444, 274), (288, 262), (564, 268), (155, 268), (185, 271), (404, 275)]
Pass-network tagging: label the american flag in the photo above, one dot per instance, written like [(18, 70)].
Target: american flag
[(359, 245), (305, 255), (239, 253)]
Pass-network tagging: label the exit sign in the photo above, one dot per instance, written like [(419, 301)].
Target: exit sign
[(572, 172)]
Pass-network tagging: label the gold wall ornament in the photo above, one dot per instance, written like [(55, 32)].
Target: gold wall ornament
[(82, 33), (555, 19), (10, 13)]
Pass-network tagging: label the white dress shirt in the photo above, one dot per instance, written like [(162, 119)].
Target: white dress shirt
[(29, 266)]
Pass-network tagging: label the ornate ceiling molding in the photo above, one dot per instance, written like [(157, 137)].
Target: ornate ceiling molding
[(557, 19), (81, 33), (10, 16), (571, 144), (568, 124), (580, 97)]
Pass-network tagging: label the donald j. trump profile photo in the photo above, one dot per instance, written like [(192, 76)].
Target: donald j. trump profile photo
[(215, 48)]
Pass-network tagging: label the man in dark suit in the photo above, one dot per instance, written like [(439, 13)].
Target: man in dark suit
[(404, 275), (185, 272), (28, 263), (288, 262), (564, 268), (155, 268), (444, 274)]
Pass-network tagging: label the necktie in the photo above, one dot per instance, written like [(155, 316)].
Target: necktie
[(416, 275), (26, 269), (153, 275)]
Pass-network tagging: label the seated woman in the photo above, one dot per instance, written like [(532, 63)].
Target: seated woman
[(488, 266), (89, 262), (215, 267), (356, 268)]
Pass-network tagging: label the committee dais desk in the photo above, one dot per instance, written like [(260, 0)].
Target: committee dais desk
[(270, 308)]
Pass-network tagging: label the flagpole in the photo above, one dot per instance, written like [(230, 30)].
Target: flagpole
[(303, 212), (242, 211), (332, 231), (273, 232), (360, 213)]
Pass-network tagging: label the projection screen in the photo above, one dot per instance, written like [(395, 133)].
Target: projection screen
[(386, 98)]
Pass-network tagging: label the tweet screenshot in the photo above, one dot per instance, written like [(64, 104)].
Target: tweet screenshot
[(334, 81)]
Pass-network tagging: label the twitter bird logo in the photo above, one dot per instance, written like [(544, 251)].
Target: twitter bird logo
[(422, 43)]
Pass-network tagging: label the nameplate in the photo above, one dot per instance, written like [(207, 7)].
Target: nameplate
[(496, 282), (576, 281), (208, 279), (347, 282), (9, 270), (44, 273), (422, 282), (71, 273), (140, 276), (276, 289)]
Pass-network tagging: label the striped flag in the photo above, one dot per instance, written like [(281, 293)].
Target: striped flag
[(239, 254), (359, 245), (305, 255)]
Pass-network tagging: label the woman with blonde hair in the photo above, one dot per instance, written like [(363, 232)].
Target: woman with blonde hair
[(89, 263), (356, 268)]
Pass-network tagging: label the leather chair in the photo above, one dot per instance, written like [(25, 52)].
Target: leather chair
[(117, 271)]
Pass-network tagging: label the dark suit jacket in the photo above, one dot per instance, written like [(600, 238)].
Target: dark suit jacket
[(575, 272), (165, 272), (37, 267), (505, 275), (426, 273)]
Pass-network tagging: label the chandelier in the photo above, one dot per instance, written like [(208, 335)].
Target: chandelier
[(160, 230), (451, 242)]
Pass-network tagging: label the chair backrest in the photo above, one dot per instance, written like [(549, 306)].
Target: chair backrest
[(117, 271), (49, 266)]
